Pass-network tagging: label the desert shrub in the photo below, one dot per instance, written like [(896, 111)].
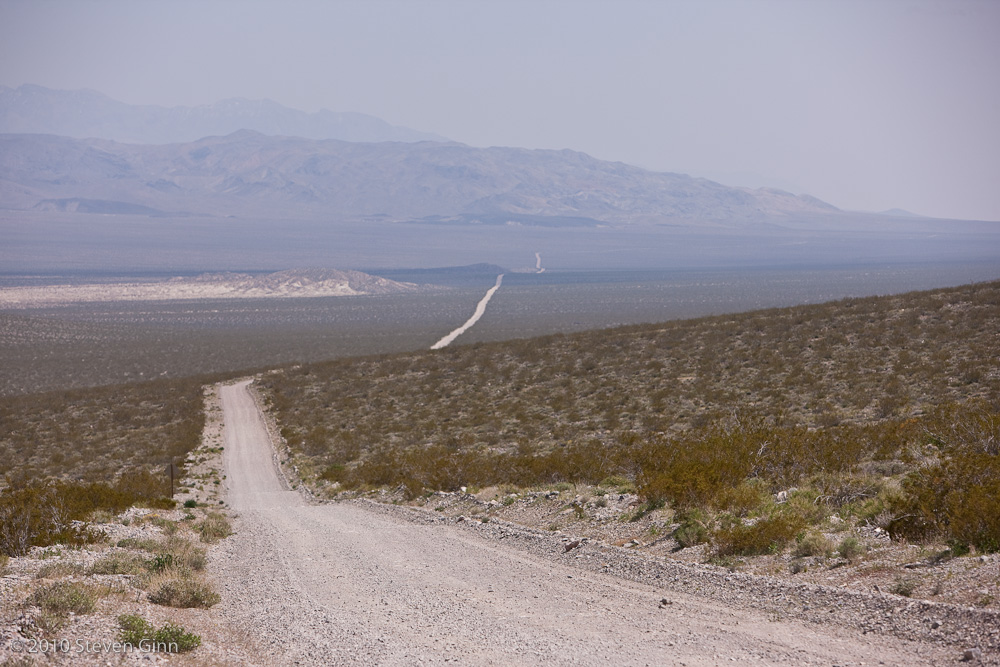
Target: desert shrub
[(59, 569), (805, 504), (957, 499), (43, 514), (850, 548), (179, 554), (695, 470), (903, 586), (694, 528), (63, 597), (169, 638), (641, 511), (767, 535), (118, 562), (214, 527), (91, 433), (183, 592), (813, 544), (743, 499)]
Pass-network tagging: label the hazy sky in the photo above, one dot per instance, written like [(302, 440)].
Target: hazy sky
[(868, 105)]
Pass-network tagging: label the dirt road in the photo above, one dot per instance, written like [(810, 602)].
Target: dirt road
[(478, 313), (338, 584)]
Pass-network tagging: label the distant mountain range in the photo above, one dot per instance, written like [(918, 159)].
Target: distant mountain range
[(83, 114), (250, 174)]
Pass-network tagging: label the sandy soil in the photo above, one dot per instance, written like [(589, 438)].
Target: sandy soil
[(361, 584), (299, 283)]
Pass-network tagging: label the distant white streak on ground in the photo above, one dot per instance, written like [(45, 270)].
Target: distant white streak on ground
[(480, 310)]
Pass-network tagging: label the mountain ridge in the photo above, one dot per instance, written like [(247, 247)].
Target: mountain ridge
[(83, 114), (247, 172)]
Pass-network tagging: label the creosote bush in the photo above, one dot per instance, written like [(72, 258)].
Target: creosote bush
[(882, 409), (765, 536), (40, 514)]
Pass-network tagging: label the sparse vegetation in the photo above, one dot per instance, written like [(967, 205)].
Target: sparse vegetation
[(95, 434), (851, 407), (57, 450), (43, 513), (119, 562), (169, 638), (850, 549), (182, 591), (64, 597), (214, 527)]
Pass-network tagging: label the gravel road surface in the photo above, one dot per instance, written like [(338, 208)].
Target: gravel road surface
[(345, 584)]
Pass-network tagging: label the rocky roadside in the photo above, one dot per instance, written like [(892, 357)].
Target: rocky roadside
[(972, 633), (128, 570)]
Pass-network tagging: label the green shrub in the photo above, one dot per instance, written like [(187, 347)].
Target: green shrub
[(118, 562), (63, 597), (160, 562), (694, 528), (743, 499), (169, 638), (183, 592), (957, 499), (765, 536), (850, 548), (190, 503), (813, 544)]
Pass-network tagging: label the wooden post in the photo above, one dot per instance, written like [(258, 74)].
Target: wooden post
[(171, 465)]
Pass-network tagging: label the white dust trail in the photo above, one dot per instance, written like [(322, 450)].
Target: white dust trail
[(538, 263), (480, 309)]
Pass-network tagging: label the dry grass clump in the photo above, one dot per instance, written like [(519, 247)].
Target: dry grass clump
[(214, 527), (119, 562), (60, 599), (813, 544), (63, 597), (59, 569), (174, 590)]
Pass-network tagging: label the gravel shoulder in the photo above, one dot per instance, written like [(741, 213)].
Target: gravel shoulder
[(364, 583)]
